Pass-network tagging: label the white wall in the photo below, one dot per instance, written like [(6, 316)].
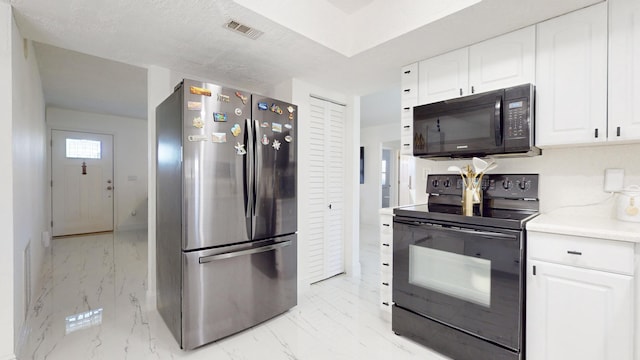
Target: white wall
[(569, 176), (130, 159), (372, 138), (6, 185), (159, 86), (30, 208), (22, 159), (298, 92)]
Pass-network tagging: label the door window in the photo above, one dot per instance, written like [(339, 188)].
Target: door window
[(83, 149)]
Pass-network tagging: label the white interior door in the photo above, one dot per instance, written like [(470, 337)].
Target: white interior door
[(325, 216), (81, 182)]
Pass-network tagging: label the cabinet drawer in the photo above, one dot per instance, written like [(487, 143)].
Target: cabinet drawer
[(385, 299), (386, 279), (409, 75), (407, 112), (406, 144), (386, 265), (406, 131), (386, 250), (590, 253), (386, 227)]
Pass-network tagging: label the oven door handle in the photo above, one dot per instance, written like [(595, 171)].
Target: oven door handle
[(483, 233), (419, 224)]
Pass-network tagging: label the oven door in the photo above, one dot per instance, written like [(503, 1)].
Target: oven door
[(466, 278), (463, 126)]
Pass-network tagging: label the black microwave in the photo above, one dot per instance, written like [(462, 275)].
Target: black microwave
[(499, 122)]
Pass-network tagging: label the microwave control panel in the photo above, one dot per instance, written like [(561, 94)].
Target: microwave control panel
[(516, 119)]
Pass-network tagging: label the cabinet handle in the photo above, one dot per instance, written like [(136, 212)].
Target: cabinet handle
[(572, 252), (534, 270), (407, 72), (407, 145), (407, 90), (385, 244), (473, 90), (460, 91), (385, 264), (407, 108), (385, 283), (385, 224), (385, 303), (596, 133), (618, 131), (407, 126)]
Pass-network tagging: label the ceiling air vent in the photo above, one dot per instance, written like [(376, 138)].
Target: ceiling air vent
[(243, 29)]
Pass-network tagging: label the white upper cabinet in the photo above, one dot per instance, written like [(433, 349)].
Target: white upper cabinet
[(503, 61), (571, 78), (409, 99), (443, 77), (624, 70)]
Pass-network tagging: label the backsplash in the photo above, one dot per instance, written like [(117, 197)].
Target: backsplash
[(569, 177)]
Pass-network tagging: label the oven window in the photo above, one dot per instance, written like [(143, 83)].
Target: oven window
[(464, 277)]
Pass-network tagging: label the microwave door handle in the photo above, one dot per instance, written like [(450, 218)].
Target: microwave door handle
[(498, 121)]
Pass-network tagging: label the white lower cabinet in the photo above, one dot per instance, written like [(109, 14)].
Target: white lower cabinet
[(574, 311), (386, 258)]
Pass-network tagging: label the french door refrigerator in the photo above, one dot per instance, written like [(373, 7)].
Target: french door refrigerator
[(226, 211)]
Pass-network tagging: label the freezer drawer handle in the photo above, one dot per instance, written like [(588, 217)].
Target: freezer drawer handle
[(206, 259)]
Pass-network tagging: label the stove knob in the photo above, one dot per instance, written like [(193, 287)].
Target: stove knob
[(523, 184), (506, 184), (447, 183), (435, 183)]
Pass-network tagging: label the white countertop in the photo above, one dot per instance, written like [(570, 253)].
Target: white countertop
[(389, 210), (586, 226)]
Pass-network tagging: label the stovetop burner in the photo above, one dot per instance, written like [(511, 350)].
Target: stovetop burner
[(509, 201)]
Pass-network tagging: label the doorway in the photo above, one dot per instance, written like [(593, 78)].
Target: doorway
[(389, 174), (81, 182), (385, 178)]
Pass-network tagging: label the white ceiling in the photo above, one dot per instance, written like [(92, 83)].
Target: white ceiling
[(188, 37)]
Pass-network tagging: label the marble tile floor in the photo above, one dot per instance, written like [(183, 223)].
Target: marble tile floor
[(94, 306)]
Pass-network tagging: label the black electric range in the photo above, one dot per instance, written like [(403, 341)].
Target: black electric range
[(459, 281), (509, 201)]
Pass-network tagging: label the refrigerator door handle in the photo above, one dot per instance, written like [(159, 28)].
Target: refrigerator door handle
[(256, 163), (232, 254), (248, 164)]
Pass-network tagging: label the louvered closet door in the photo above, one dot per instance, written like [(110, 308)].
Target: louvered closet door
[(326, 190)]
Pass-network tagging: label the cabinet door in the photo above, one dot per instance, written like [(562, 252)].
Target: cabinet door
[(443, 77), (571, 78), (575, 313), (624, 70), (504, 61)]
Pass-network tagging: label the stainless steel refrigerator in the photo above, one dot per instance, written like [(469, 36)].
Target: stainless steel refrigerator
[(226, 211)]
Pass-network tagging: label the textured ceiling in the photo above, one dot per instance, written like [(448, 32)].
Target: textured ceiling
[(188, 37)]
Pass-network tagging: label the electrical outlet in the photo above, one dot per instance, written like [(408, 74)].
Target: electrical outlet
[(613, 180)]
